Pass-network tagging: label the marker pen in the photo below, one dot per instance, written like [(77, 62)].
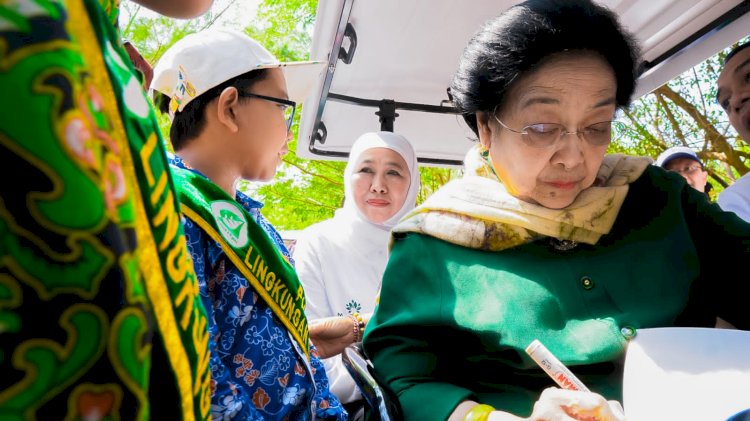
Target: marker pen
[(552, 366)]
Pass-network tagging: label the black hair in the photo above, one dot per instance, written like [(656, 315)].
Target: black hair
[(508, 46), (189, 123), (734, 52)]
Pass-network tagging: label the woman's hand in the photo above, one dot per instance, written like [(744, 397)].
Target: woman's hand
[(559, 404), (331, 335)]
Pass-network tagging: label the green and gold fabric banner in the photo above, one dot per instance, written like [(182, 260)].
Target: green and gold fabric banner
[(98, 298), (248, 246)]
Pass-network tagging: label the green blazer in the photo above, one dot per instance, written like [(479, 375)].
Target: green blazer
[(453, 323)]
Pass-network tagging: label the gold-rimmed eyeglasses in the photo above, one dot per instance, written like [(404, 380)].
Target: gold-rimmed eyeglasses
[(544, 135)]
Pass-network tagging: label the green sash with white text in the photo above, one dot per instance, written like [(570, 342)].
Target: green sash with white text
[(100, 316), (248, 246)]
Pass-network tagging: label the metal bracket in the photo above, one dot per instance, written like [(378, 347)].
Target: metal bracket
[(351, 34), (387, 113)]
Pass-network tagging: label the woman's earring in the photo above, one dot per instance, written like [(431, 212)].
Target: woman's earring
[(483, 150)]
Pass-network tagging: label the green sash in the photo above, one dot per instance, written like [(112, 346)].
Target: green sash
[(90, 233), (248, 246)]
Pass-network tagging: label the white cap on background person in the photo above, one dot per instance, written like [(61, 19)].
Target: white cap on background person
[(677, 152)]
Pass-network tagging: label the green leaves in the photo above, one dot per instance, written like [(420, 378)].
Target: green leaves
[(684, 112)]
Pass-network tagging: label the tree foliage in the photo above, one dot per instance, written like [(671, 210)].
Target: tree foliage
[(682, 112), (153, 34), (304, 191)]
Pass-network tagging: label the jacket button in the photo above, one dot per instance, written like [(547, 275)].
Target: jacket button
[(628, 332), (587, 283)]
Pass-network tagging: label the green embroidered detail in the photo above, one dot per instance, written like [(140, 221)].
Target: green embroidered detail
[(50, 366), (95, 187)]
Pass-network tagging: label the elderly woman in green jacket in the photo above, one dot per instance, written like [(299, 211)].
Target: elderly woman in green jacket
[(546, 236)]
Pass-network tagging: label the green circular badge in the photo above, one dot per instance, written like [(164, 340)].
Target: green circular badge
[(231, 222)]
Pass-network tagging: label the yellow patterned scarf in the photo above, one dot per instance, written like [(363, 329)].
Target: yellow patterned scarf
[(476, 211)]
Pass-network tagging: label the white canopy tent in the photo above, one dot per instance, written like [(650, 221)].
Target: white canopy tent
[(392, 60)]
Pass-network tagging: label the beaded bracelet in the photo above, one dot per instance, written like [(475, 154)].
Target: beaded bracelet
[(359, 326), (478, 413)]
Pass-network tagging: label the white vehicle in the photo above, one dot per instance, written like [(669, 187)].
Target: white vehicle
[(390, 63)]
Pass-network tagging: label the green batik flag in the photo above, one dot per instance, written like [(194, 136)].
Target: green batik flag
[(95, 280)]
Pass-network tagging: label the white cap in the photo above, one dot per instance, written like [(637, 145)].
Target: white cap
[(677, 152), (200, 61)]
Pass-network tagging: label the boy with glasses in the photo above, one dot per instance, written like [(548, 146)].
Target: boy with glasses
[(685, 161), (232, 103)]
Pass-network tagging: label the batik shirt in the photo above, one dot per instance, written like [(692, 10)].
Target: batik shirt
[(258, 372)]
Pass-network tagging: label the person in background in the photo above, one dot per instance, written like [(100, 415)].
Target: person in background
[(232, 104), (685, 161), (99, 311), (143, 67), (545, 236), (340, 261), (734, 97)]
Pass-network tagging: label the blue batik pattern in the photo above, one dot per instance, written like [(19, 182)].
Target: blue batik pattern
[(258, 372)]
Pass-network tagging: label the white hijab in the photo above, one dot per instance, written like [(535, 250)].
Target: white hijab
[(340, 261), (387, 140)]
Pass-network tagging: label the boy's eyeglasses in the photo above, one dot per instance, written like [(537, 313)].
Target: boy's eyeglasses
[(544, 135), (288, 106)]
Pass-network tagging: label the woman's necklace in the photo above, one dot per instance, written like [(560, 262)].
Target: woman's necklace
[(562, 245)]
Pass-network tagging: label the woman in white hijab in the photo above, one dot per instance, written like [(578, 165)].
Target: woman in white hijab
[(340, 261)]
